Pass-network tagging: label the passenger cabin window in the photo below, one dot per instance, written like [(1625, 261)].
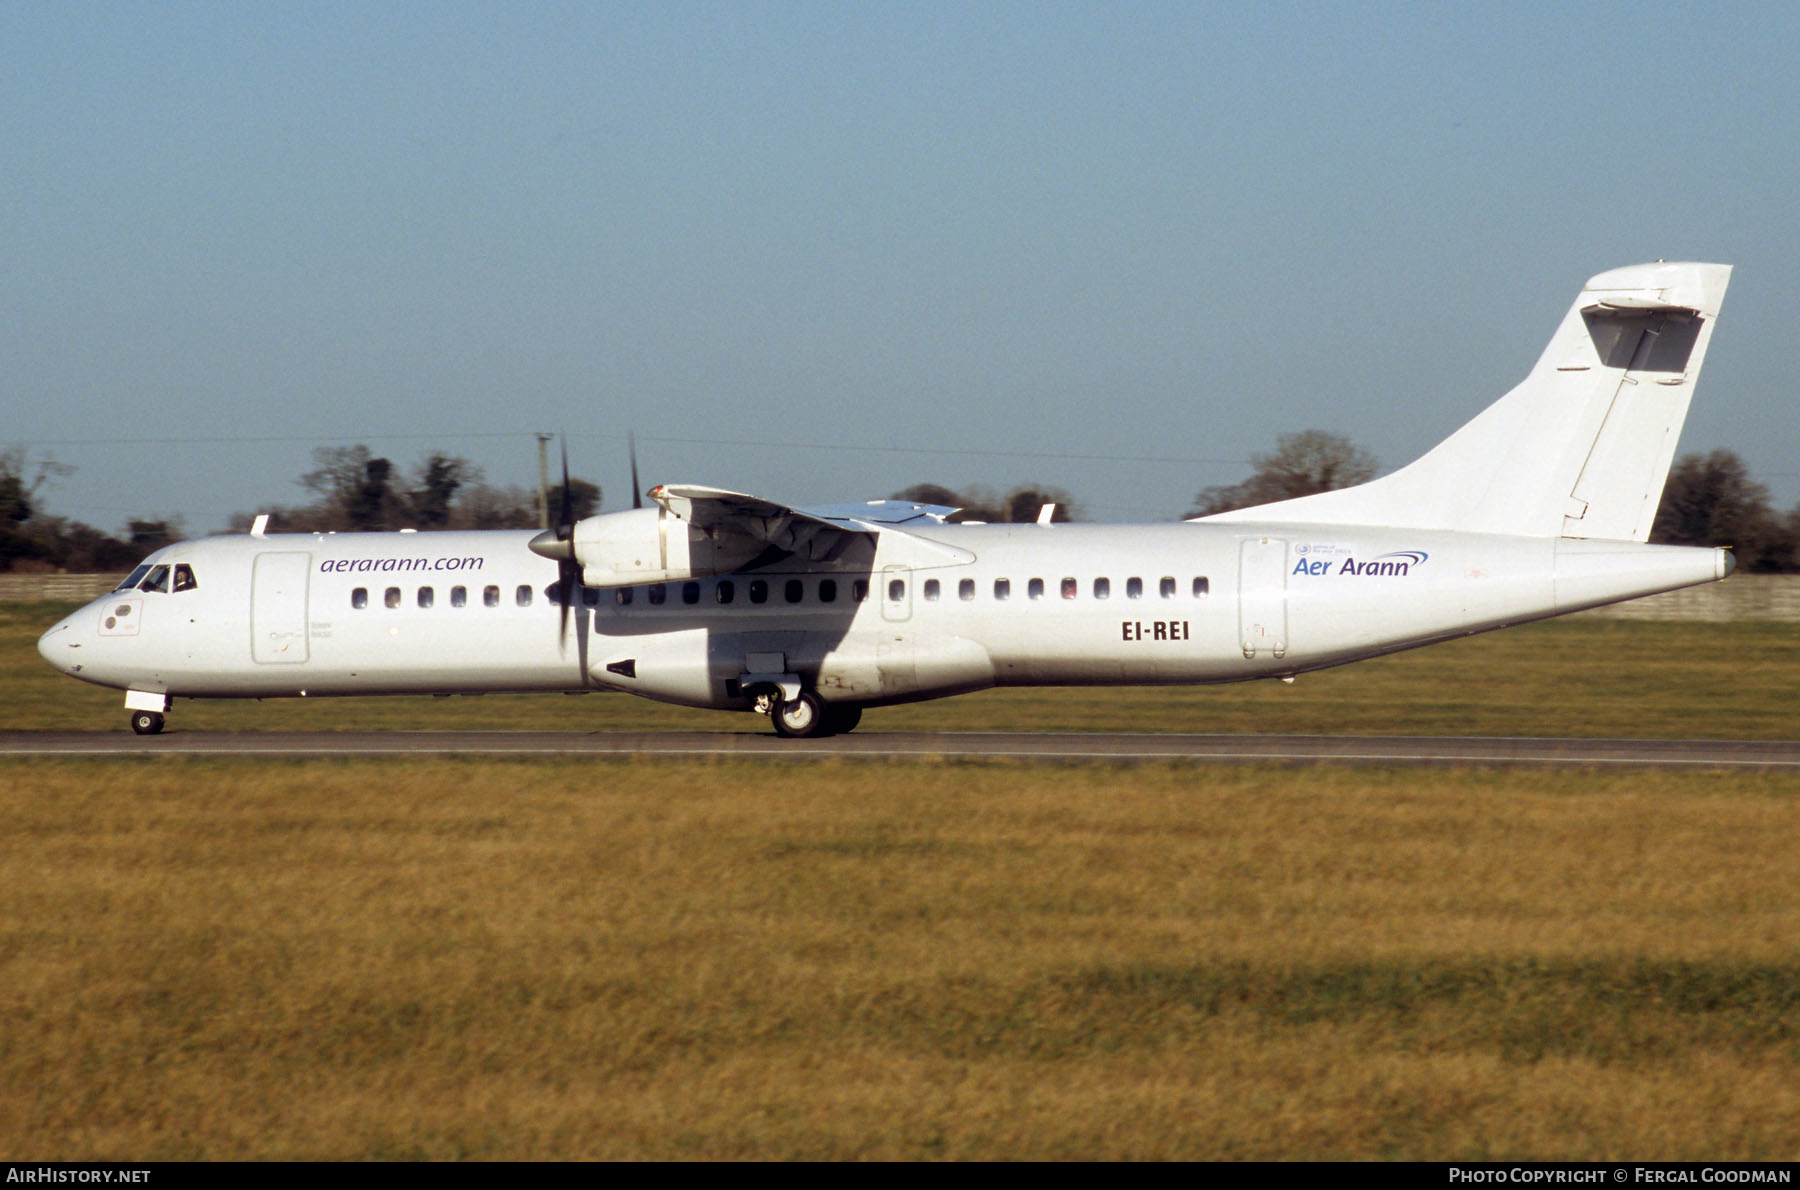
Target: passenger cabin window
[(1134, 588), (1167, 587), (897, 591), (759, 590), (656, 593), (391, 597), (1003, 588), (622, 596), (490, 596), (690, 593), (859, 590), (965, 590), (426, 596), (359, 598), (590, 597), (1102, 588), (459, 597), (931, 590), (827, 590), (522, 596), (1070, 588), (726, 592), (793, 590), (1034, 589), (1201, 587)]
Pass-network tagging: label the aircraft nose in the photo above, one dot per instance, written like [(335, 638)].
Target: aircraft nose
[(59, 645)]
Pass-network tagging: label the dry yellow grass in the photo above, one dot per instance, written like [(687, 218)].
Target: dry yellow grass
[(449, 958)]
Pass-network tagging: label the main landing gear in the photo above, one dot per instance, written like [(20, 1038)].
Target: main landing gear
[(807, 716), (146, 722)]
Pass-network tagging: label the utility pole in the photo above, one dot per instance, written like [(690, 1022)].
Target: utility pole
[(544, 480)]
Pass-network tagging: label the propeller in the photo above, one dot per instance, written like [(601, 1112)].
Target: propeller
[(637, 491), (568, 570), (558, 541)]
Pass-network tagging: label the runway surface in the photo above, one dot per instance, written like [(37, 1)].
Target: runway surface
[(1385, 750)]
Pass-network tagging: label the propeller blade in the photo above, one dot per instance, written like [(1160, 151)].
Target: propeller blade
[(568, 570), (565, 513), (637, 491), (563, 600)]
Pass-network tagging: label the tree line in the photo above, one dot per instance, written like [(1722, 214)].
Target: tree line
[(1710, 499), (33, 540), (352, 488), (979, 503), (359, 492)]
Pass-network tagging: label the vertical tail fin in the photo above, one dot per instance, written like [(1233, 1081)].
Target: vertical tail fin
[(1581, 448)]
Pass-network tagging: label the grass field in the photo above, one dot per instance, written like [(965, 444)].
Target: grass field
[(451, 959), (442, 958)]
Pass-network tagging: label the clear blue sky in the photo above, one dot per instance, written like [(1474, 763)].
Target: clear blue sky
[(823, 251)]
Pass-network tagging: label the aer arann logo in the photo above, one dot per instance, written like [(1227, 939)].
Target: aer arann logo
[(1340, 561)]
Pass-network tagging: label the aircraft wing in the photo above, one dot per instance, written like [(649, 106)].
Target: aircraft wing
[(811, 533), (882, 512)]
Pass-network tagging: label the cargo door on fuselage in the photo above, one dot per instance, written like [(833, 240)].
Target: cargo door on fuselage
[(1262, 597), (278, 607)]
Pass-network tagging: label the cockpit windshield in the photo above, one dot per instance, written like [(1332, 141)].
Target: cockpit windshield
[(179, 577)]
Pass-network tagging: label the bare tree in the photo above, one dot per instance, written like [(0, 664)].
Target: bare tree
[(584, 498), (929, 493), (339, 474), (357, 490), (20, 481), (481, 506), (436, 480), (1710, 499), (1024, 503), (978, 502), (1300, 465)]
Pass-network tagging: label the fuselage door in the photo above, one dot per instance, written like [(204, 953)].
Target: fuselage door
[(278, 607), (1262, 596)]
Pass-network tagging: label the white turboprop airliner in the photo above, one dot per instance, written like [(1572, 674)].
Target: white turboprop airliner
[(1538, 507)]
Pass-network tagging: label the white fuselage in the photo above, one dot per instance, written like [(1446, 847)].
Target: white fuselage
[(916, 615)]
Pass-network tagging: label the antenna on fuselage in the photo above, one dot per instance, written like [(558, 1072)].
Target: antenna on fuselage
[(260, 526)]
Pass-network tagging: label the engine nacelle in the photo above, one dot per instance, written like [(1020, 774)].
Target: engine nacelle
[(652, 545)]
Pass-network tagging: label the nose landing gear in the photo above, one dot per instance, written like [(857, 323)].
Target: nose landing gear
[(146, 708)]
